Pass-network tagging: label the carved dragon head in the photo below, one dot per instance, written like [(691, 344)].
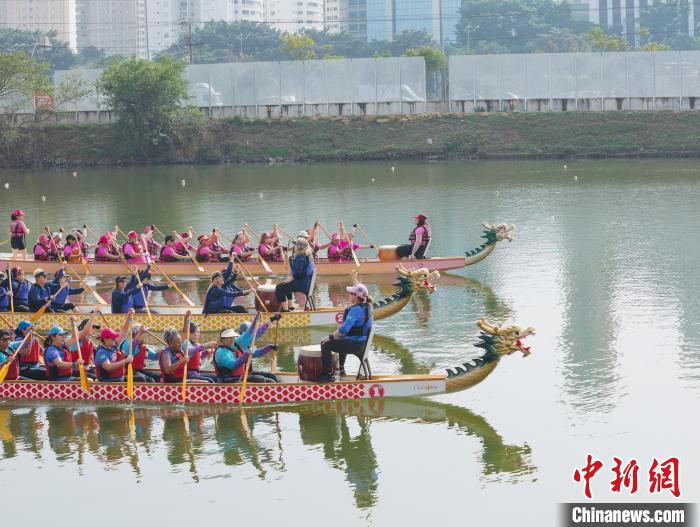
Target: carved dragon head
[(418, 279), (503, 340), (497, 232)]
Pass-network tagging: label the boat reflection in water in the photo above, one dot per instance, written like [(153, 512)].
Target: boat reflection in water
[(197, 439)]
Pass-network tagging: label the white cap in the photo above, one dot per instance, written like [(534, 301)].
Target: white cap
[(303, 234), (228, 333), (360, 290)]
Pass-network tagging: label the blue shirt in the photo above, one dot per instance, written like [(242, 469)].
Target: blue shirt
[(103, 355), (356, 318), (50, 355)]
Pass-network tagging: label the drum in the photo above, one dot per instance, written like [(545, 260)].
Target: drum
[(387, 252), (309, 364), (266, 292)]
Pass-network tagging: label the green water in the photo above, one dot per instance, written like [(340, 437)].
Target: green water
[(604, 266)]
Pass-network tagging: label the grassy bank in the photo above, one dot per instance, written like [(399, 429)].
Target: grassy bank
[(474, 136)]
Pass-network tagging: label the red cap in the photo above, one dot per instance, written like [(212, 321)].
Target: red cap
[(104, 239), (108, 333), (18, 212), (43, 238), (132, 234), (420, 217), (185, 235)]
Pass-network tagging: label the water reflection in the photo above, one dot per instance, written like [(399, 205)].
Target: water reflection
[(197, 440)]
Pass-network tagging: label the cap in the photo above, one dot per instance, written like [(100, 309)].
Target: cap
[(216, 274), (201, 237), (39, 272), (228, 333), (119, 279), (303, 234), (108, 333), (18, 212), (43, 238), (360, 290), (132, 234), (24, 324), (420, 217), (104, 239), (58, 235), (335, 236), (57, 331)]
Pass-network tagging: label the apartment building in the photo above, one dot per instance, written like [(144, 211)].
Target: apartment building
[(42, 15)]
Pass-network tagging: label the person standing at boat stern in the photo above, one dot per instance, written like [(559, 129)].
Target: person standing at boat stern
[(302, 266), (351, 337), (418, 240), (18, 234)]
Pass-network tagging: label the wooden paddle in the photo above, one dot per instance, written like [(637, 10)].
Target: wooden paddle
[(273, 361), (250, 285), (6, 367), (9, 281), (184, 245), (162, 273), (84, 383), (157, 338), (365, 235), (144, 294), (263, 262), (244, 386), (187, 354), (130, 367), (4, 242), (99, 299)]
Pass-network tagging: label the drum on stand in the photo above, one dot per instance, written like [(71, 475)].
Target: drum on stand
[(266, 292), (387, 252), (310, 365)]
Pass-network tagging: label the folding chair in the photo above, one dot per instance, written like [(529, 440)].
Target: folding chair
[(310, 304), (364, 359)]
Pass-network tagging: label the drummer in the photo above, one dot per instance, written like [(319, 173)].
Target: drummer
[(351, 337), (418, 240), (222, 292), (18, 235), (302, 266), (232, 354)]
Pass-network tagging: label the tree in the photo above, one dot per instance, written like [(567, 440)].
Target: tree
[(90, 57), (60, 56), (146, 96), (435, 59), (298, 46), (598, 40)]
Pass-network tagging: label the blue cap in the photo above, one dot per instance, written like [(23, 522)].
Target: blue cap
[(57, 331), (24, 324)]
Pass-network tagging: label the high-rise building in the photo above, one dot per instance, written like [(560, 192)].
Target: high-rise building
[(291, 16), (118, 27), (42, 15), (336, 16)]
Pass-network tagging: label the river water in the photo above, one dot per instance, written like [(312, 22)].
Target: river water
[(604, 266)]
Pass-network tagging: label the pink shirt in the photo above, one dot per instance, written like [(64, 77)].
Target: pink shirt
[(133, 256), (167, 254), (101, 253)]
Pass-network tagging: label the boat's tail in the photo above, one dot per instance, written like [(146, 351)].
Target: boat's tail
[(497, 341), (492, 235)]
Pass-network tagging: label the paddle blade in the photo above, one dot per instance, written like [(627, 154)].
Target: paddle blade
[(3, 371), (38, 314), (184, 384), (130, 382), (265, 265), (84, 383)]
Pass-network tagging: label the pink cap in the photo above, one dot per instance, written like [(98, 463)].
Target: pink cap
[(132, 234), (421, 217), (18, 212), (360, 290), (108, 333), (104, 239), (335, 236), (43, 238)]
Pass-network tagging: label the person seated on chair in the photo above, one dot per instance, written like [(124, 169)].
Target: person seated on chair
[(222, 292), (351, 337), (418, 240), (302, 265), (233, 350)]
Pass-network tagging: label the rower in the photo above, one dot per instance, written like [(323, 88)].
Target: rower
[(140, 352), (133, 252), (346, 239), (30, 354), (168, 252), (152, 246), (351, 337), (105, 252), (41, 291), (232, 353), (55, 246), (18, 234), (418, 240), (82, 242), (194, 364), (72, 252), (85, 346), (59, 303), (172, 359), (141, 296), (4, 296), (240, 247), (6, 355), (20, 289), (310, 236), (222, 292), (269, 247), (110, 362), (206, 251), (335, 253), (183, 247), (41, 249), (302, 267), (57, 358), (123, 294)]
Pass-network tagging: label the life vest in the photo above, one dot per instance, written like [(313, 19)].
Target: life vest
[(43, 255), (101, 253), (166, 258), (116, 373), (75, 255), (87, 348), (17, 229), (238, 250), (176, 375), (181, 248), (366, 327), (222, 371), (32, 357), (140, 356), (52, 251), (200, 256), (84, 248), (56, 372), (427, 233), (13, 371), (195, 360), (136, 255), (5, 300), (22, 292)]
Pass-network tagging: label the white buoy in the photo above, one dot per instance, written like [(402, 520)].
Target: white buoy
[(372, 180), (575, 178), (75, 174), (429, 140), (496, 193), (566, 168), (260, 196), (393, 168), (7, 185), (182, 182), (43, 198)]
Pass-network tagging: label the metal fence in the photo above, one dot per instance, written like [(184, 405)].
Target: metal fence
[(646, 75)]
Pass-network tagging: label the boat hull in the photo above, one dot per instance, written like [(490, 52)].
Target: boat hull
[(368, 266), (287, 391)]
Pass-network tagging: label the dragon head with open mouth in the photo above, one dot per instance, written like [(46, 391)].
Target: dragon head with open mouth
[(418, 279), (504, 340)]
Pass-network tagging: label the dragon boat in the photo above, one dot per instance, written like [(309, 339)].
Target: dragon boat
[(368, 266), (408, 282), (496, 341)]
